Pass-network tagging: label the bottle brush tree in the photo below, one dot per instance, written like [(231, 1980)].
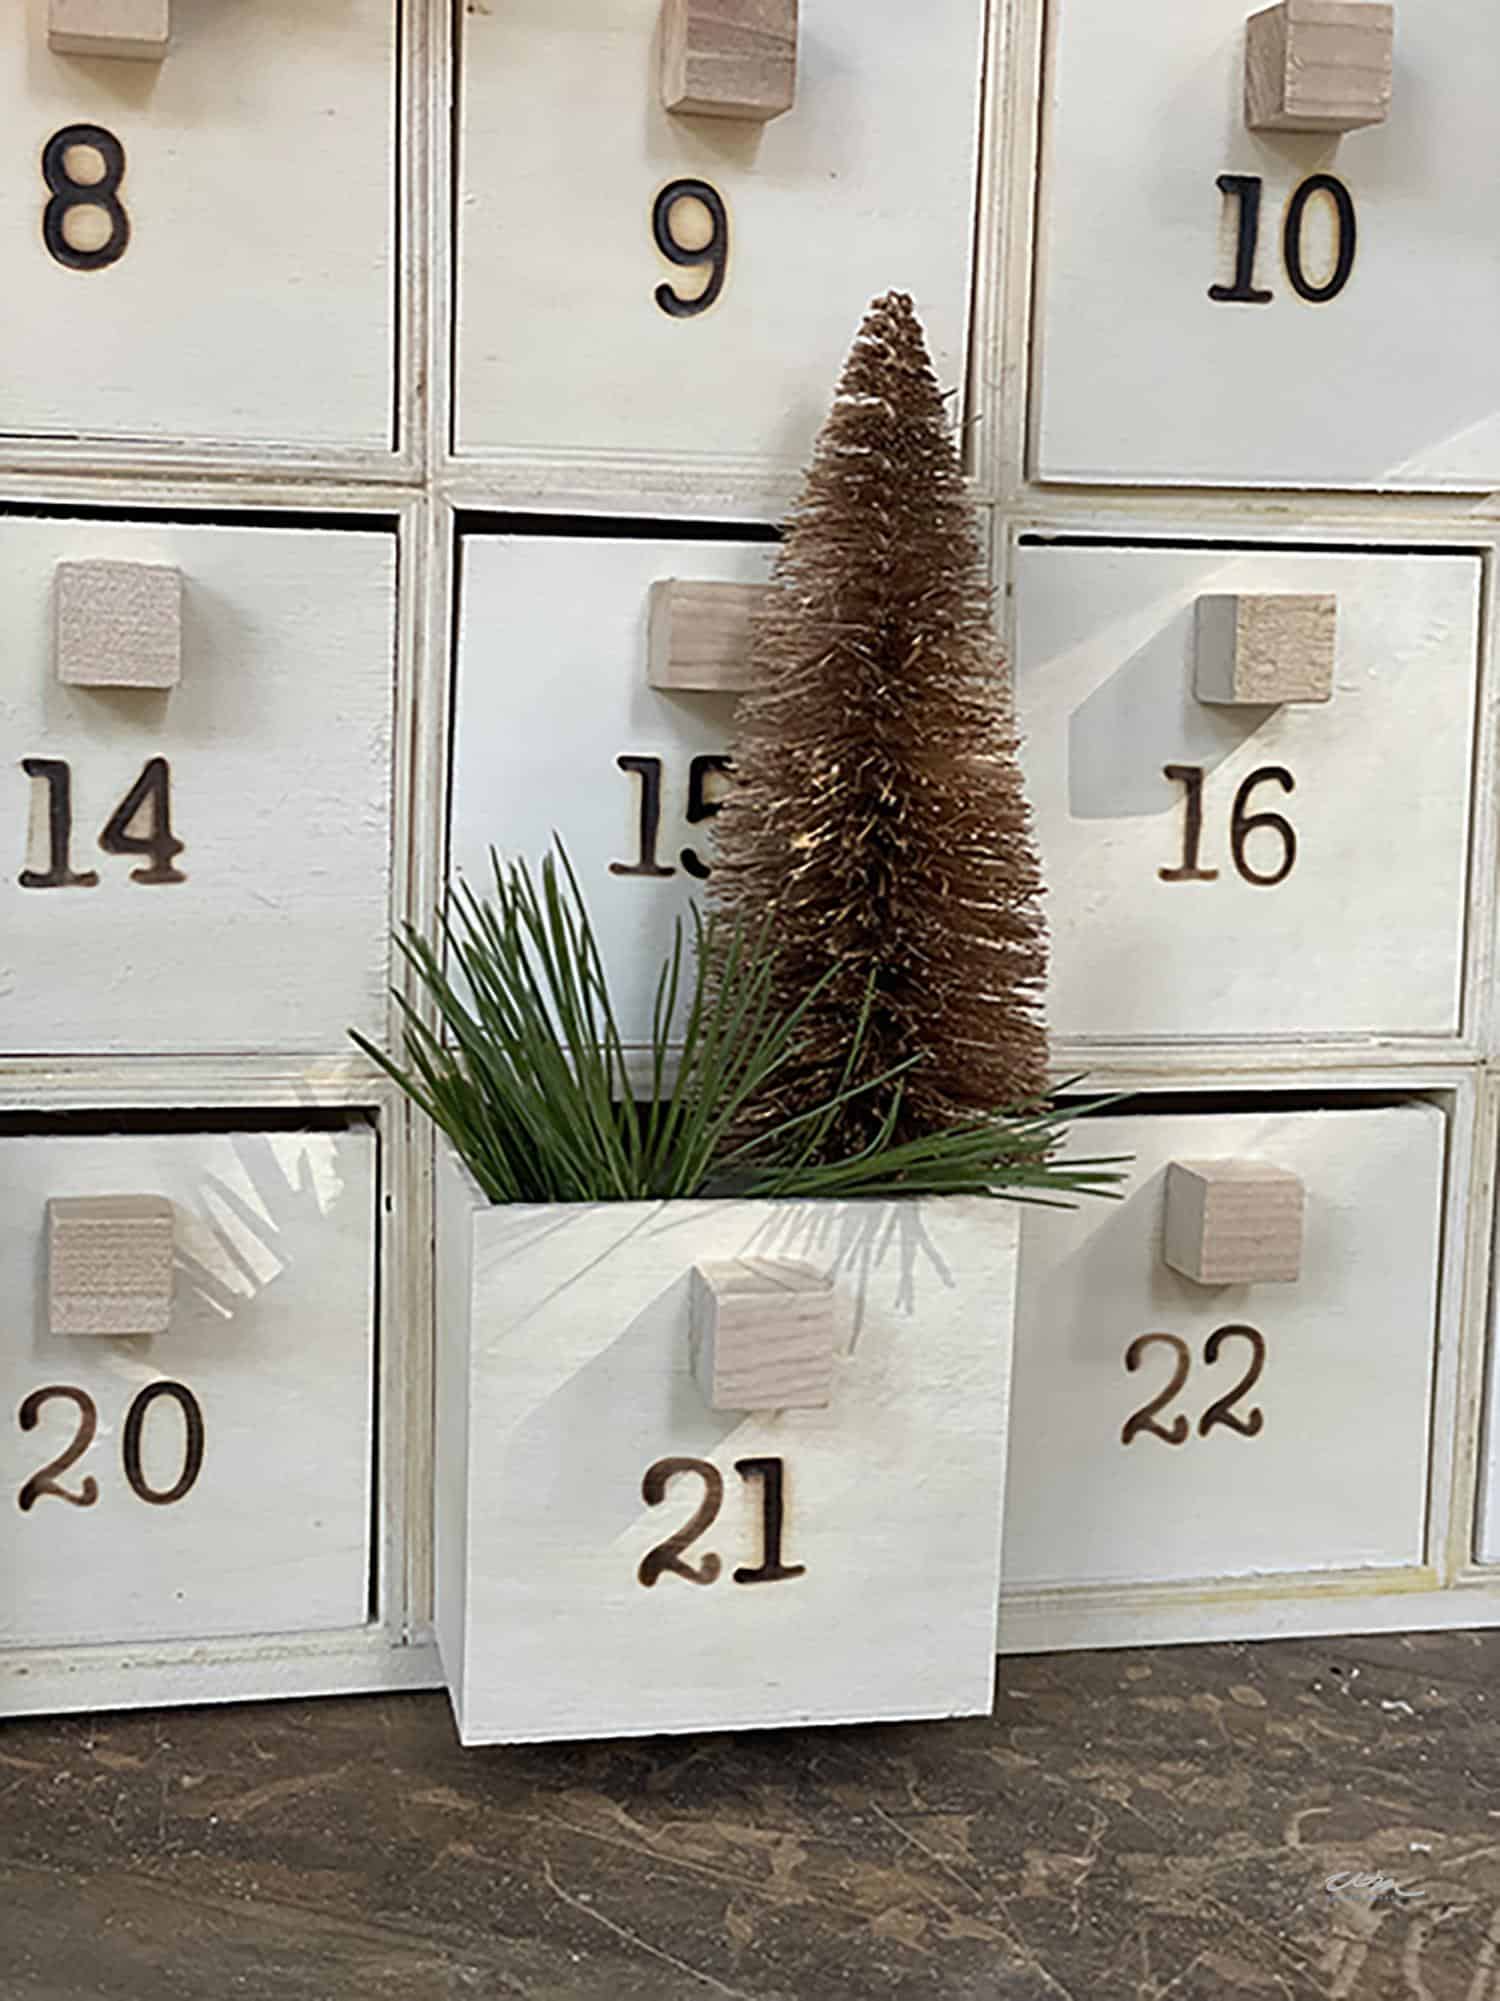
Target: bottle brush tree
[(877, 815)]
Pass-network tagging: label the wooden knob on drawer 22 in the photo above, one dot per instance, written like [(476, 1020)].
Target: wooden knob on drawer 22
[(1319, 65), (117, 625), (762, 1334), (1233, 1222), (109, 1264), (729, 58), (1263, 650), (138, 30)]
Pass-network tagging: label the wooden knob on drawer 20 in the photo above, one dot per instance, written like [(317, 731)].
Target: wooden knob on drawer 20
[(117, 625), (138, 30), (762, 1334), (729, 58), (109, 1264), (1319, 65), (1233, 1222), (1266, 649)]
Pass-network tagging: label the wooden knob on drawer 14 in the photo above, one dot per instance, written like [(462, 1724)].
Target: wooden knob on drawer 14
[(729, 58), (1264, 650), (1319, 65), (139, 30), (1233, 1222), (117, 625), (109, 1264), (762, 1334)]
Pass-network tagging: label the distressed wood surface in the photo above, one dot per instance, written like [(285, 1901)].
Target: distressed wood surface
[(729, 58), (1266, 647), (701, 635), (118, 625), (1319, 65), (1124, 1823), (1233, 1222), (109, 1264), (137, 30), (271, 1335), (1136, 1453), (574, 1443)]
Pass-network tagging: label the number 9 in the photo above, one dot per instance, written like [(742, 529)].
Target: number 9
[(714, 253)]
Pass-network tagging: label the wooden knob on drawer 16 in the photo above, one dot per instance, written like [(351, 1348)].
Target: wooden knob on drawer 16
[(109, 1264), (1265, 649), (1233, 1222)]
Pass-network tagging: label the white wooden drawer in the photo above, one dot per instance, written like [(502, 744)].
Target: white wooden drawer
[(274, 756), (1388, 381), (253, 303), (271, 1349), (564, 149), (1364, 933), (1339, 1365), (552, 693)]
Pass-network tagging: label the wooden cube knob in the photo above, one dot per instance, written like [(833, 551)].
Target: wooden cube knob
[(1265, 650), (1233, 1222), (762, 1334), (1319, 65), (109, 1264), (729, 58), (118, 625), (701, 635), (138, 30)]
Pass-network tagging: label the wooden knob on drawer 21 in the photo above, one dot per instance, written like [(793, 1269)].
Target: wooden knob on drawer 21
[(762, 1334), (109, 1264), (1319, 65), (1233, 1222), (138, 30), (729, 58)]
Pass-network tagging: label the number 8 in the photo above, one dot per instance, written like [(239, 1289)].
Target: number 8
[(68, 194)]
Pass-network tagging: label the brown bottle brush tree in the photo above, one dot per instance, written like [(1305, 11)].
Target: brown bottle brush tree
[(877, 815)]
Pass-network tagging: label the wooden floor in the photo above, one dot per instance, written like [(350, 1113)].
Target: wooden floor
[(1131, 1825)]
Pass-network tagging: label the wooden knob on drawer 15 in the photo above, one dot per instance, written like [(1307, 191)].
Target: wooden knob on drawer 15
[(1233, 1222), (109, 1264), (136, 29), (1319, 65)]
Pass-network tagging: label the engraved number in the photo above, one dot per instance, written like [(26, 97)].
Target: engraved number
[(648, 770), (701, 807), (149, 799), (668, 1555), (1242, 824), (192, 1444), (69, 193), (770, 1570), (714, 253), (1245, 189), (45, 1482), (59, 872), (1222, 1410), (1144, 1419), (1187, 870)]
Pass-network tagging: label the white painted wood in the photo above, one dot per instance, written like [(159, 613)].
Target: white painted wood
[(1365, 935), (551, 690), (1319, 65), (729, 58), (827, 207), (1335, 1478), (119, 625), (1233, 1222), (138, 30), (109, 1264), (255, 302), (701, 635), (1145, 379), (1265, 649), (762, 1334), (272, 1332), (571, 1377), (278, 745)]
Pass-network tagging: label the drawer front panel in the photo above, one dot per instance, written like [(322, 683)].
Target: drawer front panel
[(269, 761), (1338, 1364), (1177, 911), (1377, 370), (241, 287), (270, 1352), (564, 150)]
